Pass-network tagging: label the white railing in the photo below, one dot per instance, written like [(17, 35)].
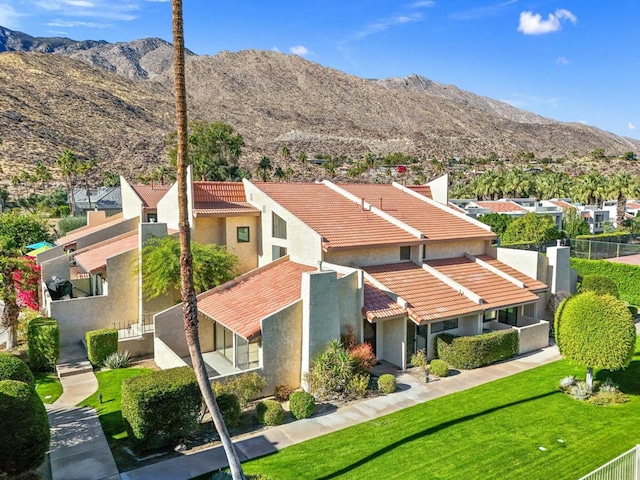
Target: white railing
[(624, 467)]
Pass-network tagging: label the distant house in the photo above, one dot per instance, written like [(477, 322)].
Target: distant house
[(105, 199), (595, 217)]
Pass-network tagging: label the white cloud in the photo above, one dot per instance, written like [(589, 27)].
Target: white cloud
[(75, 24), (9, 18), (478, 13), (299, 50), (422, 4), (562, 61), (275, 49), (84, 13), (533, 24), (631, 126), (385, 23)]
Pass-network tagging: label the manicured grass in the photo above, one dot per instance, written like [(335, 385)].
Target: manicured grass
[(488, 432), (109, 383), (48, 387)]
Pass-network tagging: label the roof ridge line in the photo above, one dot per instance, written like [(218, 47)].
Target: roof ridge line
[(471, 295), (495, 270), (442, 207), (380, 213)]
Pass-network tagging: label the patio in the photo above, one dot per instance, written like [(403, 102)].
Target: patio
[(216, 364)]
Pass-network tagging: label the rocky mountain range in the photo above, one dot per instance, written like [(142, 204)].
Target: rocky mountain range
[(113, 102)]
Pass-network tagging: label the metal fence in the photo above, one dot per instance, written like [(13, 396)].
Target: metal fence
[(624, 467), (134, 329), (598, 250)]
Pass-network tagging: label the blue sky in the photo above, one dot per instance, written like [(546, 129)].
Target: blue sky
[(573, 60)]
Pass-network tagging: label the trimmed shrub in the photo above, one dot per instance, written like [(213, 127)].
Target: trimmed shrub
[(100, 344), (245, 387), (363, 357), (67, 224), (24, 436), (230, 408), (599, 284), (626, 277), (270, 412), (387, 383), (472, 352), (117, 360), (302, 404), (44, 344), (12, 368), (26, 316), (439, 368), (162, 407), (358, 385), (419, 359), (282, 392)]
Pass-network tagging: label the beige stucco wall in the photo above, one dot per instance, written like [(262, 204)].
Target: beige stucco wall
[(131, 203), (364, 257), (247, 252), (209, 230), (170, 330), (350, 301), (168, 205), (391, 341), (58, 266), (164, 356), (436, 250), (533, 337)]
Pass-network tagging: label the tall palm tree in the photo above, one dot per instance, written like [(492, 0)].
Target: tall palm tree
[(187, 290), (264, 168), (68, 165), (620, 187), (42, 174), (285, 153), (589, 188), (302, 158)]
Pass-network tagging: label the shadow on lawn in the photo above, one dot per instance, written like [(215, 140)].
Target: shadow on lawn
[(429, 431), (628, 378)]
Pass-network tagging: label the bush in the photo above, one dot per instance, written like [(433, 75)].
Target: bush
[(12, 368), (270, 412), (626, 277), (66, 224), (230, 408), (363, 357), (419, 359), (44, 344), (387, 383), (282, 392), (358, 385), (117, 360), (162, 407), (245, 387), (600, 285), (26, 316), (302, 405), (330, 371), (567, 382), (24, 436), (581, 391), (439, 368), (473, 352), (100, 344)]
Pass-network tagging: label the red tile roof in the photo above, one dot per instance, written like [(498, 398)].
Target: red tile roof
[(150, 194), (427, 297), (222, 199), (497, 292), (633, 205), (531, 283), (562, 204), (378, 305), (424, 190), (241, 304), (457, 208), (341, 222), (73, 235), (501, 206), (94, 258), (434, 222)]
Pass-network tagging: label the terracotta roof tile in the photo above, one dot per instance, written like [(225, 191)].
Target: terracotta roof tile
[(435, 223), (150, 194), (341, 222), (73, 235), (501, 206), (562, 204), (424, 190), (241, 304), (531, 283), (456, 208), (427, 297), (377, 304), (497, 292), (633, 205), (94, 258), (221, 199)]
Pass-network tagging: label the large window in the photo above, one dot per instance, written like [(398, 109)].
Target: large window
[(508, 316), (444, 325), (277, 252), (247, 354), (224, 342), (242, 234), (279, 227), (405, 253)]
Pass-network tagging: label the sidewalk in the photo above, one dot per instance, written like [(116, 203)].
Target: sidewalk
[(410, 392)]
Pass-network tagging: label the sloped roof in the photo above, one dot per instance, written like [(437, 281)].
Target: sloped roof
[(94, 258), (562, 204), (378, 305), (241, 304), (456, 208), (531, 283), (424, 190), (105, 197), (341, 222), (434, 222), (150, 194), (633, 205), (73, 235), (221, 199), (501, 206)]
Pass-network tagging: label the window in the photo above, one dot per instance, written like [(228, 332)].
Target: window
[(247, 354), (279, 227), (277, 252), (405, 253), (488, 316), (242, 234), (224, 342), (508, 316), (445, 325), (152, 217)]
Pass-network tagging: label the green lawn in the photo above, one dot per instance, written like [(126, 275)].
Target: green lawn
[(488, 432), (48, 386)]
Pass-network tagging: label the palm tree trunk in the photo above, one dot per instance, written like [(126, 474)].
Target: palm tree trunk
[(189, 301), (620, 210)]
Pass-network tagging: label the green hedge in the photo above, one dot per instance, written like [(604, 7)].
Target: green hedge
[(44, 344), (12, 368), (162, 407), (626, 277), (612, 237), (472, 352), (229, 408), (101, 344), (24, 436), (600, 285)]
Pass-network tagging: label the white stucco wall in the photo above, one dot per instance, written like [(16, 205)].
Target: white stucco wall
[(131, 203)]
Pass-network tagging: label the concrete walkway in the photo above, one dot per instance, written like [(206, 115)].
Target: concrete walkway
[(410, 392)]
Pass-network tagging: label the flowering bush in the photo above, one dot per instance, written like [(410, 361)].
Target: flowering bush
[(26, 280), (363, 357)]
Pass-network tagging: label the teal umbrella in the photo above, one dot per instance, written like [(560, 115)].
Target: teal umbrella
[(35, 246)]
